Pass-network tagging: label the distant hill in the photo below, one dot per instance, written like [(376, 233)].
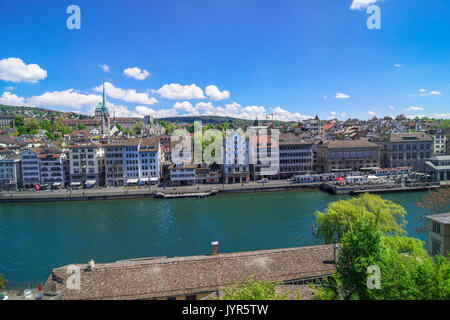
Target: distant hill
[(34, 112), (215, 120)]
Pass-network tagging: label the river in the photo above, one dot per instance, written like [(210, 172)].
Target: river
[(37, 237)]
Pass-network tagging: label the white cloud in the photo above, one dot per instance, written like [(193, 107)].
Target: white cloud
[(233, 110), (126, 95), (15, 70), (104, 67), (163, 113), (398, 65), (391, 107), (372, 113), (426, 92), (361, 4), (214, 93), (176, 91), (342, 96), (343, 114), (441, 115), (11, 99), (185, 106), (9, 88), (416, 116), (68, 99), (413, 109), (333, 113), (136, 73)]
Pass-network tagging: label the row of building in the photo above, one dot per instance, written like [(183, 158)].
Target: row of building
[(139, 161)]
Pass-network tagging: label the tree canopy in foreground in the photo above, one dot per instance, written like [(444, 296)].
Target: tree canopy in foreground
[(341, 216), (406, 271), (254, 289)]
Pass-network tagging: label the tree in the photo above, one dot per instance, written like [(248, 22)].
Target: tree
[(254, 289), (361, 247), (31, 125), (413, 277), (406, 270), (137, 128), (434, 202), (19, 120), (444, 124), (81, 126), (3, 282), (340, 216)]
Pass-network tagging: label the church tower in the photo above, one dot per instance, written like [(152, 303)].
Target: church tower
[(102, 116)]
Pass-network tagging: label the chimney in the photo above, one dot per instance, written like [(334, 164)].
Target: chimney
[(215, 248)]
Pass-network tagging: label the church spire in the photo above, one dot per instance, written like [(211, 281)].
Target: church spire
[(105, 109)]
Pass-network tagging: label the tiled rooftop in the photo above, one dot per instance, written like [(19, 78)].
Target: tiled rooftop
[(163, 277)]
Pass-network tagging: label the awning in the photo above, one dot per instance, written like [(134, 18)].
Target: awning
[(57, 184), (75, 184), (92, 182), (144, 179), (132, 181), (154, 179)]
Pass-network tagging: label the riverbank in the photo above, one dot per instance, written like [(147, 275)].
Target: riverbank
[(118, 193), (202, 191)]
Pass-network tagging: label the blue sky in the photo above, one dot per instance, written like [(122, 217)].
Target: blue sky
[(242, 58)]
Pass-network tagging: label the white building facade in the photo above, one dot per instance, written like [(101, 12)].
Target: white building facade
[(235, 158)]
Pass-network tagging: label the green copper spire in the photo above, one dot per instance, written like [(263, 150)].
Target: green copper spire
[(104, 108)]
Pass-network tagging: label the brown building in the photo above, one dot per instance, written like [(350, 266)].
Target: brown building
[(348, 154), (406, 149), (190, 278)]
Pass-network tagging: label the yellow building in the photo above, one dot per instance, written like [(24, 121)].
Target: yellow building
[(439, 234)]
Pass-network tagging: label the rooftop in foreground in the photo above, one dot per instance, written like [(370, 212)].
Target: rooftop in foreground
[(152, 278)]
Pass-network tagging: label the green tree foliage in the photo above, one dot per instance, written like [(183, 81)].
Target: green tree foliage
[(411, 277), (3, 282), (119, 127), (81, 126), (137, 128), (341, 215), (19, 121), (444, 124), (406, 270), (254, 289), (361, 247), (31, 125)]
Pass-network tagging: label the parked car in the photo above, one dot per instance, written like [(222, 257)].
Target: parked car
[(265, 180)]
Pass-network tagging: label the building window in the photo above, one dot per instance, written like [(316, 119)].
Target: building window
[(435, 247), (436, 227)]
